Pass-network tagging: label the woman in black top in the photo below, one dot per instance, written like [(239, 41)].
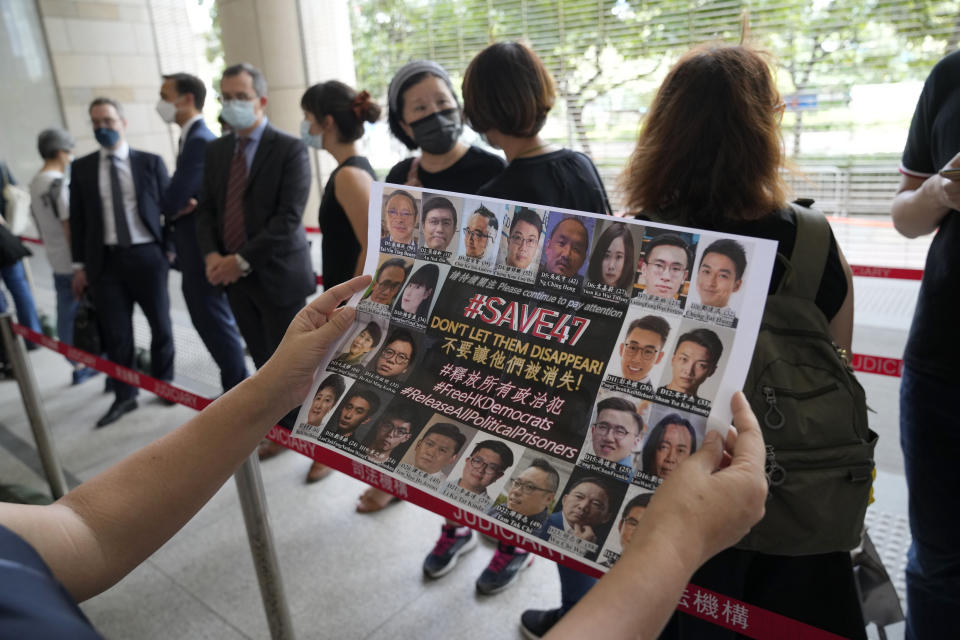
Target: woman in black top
[(507, 94), (333, 121), (425, 113), (710, 154)]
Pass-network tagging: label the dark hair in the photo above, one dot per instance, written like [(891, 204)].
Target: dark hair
[(398, 335), (437, 202), (486, 213), (395, 116), (611, 233), (639, 500), (706, 339), (367, 394), (668, 240), (348, 108), (400, 263), (101, 100), (655, 324), (507, 87), (497, 447), (710, 146), (374, 330), (546, 467), (592, 480), (426, 276), (733, 250), (186, 83), (620, 404), (448, 430), (259, 82), (649, 454), (335, 383), (525, 214)]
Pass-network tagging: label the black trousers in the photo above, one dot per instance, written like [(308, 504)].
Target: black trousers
[(137, 274), (262, 322)]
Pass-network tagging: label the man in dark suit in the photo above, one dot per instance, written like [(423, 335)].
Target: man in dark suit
[(255, 185), (116, 235), (181, 99)]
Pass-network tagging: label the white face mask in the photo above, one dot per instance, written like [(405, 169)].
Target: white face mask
[(167, 111)]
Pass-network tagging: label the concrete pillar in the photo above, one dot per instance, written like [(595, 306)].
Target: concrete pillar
[(107, 48)]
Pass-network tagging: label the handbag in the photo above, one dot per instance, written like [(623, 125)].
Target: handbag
[(17, 200), (86, 330)]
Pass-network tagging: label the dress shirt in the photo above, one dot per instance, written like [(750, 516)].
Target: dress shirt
[(254, 142), (139, 233)]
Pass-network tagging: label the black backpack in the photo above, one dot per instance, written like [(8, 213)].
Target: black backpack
[(812, 411)]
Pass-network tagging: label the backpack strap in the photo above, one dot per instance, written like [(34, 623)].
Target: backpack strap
[(809, 257)]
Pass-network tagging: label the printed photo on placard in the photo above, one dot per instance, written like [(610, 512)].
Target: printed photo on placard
[(531, 493), (520, 242), (631, 513), (358, 408), (395, 358), (664, 280), (480, 234), (385, 440), (321, 401), (612, 268), (583, 518), (617, 427), (433, 455), (565, 250), (417, 296), (439, 221), (697, 361), (721, 267), (387, 280), (482, 472), (361, 343), (636, 363), (673, 436), (399, 220)]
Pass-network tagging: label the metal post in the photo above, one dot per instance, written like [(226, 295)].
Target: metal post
[(254, 504), (23, 372)]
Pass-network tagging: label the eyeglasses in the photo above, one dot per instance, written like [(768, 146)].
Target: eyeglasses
[(616, 430), (388, 285), (395, 430), (529, 241), (394, 213), (396, 356), (659, 266), (647, 353), (526, 488), (476, 235), (483, 466)]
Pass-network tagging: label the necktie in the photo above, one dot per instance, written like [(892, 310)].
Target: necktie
[(234, 228), (119, 215)]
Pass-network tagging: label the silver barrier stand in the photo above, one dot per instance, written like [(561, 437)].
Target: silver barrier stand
[(253, 501), (23, 372)]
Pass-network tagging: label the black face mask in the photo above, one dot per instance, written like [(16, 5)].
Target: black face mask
[(438, 132)]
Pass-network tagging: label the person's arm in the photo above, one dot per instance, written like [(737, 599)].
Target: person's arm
[(352, 186), (103, 529), (841, 326), (185, 182), (77, 236), (697, 512), (921, 203)]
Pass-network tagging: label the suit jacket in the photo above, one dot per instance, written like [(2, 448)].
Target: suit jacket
[(150, 178), (278, 184), (185, 183)]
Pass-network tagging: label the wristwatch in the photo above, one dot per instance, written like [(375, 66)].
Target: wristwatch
[(243, 264)]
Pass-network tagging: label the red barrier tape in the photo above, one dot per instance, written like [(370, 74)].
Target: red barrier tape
[(877, 364), (711, 606), (886, 272)]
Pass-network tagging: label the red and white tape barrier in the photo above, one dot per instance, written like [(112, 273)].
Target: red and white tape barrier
[(714, 607)]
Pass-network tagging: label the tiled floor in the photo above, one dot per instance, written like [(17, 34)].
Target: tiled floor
[(345, 575)]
